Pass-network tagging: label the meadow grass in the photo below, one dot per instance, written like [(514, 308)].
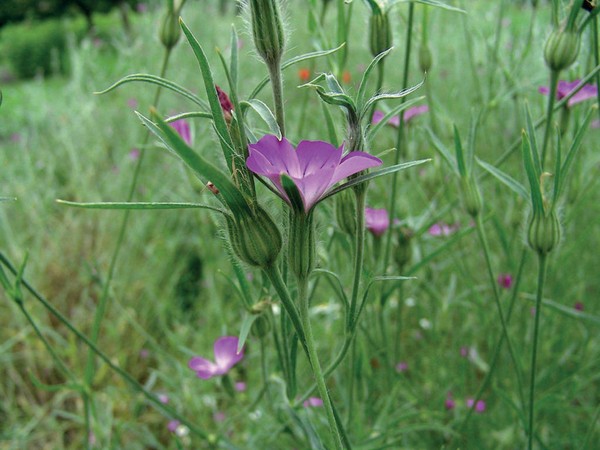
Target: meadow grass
[(172, 294)]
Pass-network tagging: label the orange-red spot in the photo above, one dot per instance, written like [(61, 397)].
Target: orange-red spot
[(346, 77), (304, 74)]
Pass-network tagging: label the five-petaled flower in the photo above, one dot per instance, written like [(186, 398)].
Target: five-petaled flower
[(377, 221), (226, 356), (314, 167), (564, 88)]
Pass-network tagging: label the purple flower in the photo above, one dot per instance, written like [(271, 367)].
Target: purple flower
[(377, 221), (141, 7), (132, 103), (578, 306), (402, 366), (219, 416), (173, 425), (226, 356), (134, 154), (564, 88), (505, 280), (163, 398), (314, 167), (409, 114), (449, 403), (182, 127), (442, 229), (312, 402), (479, 406), (240, 386)]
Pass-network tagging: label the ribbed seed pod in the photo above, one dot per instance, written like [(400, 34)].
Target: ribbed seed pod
[(544, 232), (380, 33), (255, 238), (345, 212), (267, 30), (561, 50), (301, 250)]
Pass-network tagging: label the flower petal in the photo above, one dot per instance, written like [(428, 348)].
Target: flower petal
[(280, 154), (203, 367), (352, 163), (316, 155), (312, 187), (226, 355)]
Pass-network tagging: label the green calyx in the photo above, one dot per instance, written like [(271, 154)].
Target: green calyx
[(380, 33), (255, 238), (267, 30), (561, 50), (544, 231), (345, 212), (170, 31), (301, 241), (471, 196)]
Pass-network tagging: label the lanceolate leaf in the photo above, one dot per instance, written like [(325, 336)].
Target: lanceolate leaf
[(211, 93), (362, 88), (434, 3), (140, 205), (203, 169), (146, 78), (460, 157), (8, 199), (443, 151), (374, 174), (265, 114), (245, 329), (514, 185), (189, 115), (390, 96), (532, 139), (534, 181)]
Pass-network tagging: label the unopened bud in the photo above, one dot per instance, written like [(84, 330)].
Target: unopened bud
[(301, 240), (212, 188), (267, 30), (544, 232), (170, 31), (561, 50), (226, 105), (255, 238), (471, 196), (380, 33), (345, 212), (425, 58)]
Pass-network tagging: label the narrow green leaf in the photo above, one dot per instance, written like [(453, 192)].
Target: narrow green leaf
[(537, 165), (335, 283), (573, 150), (373, 175), (534, 181), (514, 185), (265, 114), (374, 129), (189, 115), (211, 94), (332, 134), (8, 199), (153, 79), (434, 3), (140, 205), (557, 169), (362, 87), (470, 153), (460, 157), (53, 387), (443, 151), (293, 61), (389, 96), (201, 167), (245, 329), (234, 60)]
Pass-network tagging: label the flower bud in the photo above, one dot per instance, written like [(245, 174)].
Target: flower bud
[(471, 196), (380, 33), (170, 31), (345, 212), (255, 238), (561, 50), (425, 58), (267, 30), (544, 232), (301, 240)]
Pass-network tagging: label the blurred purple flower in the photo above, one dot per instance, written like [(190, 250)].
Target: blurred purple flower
[(402, 366), (144, 353), (141, 7), (219, 416), (377, 221), (595, 123), (182, 127), (315, 166), (163, 398), (442, 229), (312, 402), (578, 306), (479, 406), (409, 114), (226, 356), (172, 425), (505, 280), (464, 352), (134, 154), (449, 403), (132, 103), (240, 386), (15, 137), (564, 88)]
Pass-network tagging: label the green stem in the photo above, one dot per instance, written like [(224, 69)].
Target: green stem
[(488, 263), (277, 87), (380, 75), (400, 139), (359, 248), (596, 52), (542, 258), (316, 365), (549, 112)]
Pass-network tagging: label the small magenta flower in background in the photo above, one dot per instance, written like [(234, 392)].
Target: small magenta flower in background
[(402, 366), (134, 154), (226, 356), (479, 406), (409, 114), (173, 425), (377, 221), (182, 127), (312, 402), (240, 386), (449, 404), (442, 229), (132, 103), (505, 280), (578, 306), (315, 166), (563, 89), (219, 416)]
